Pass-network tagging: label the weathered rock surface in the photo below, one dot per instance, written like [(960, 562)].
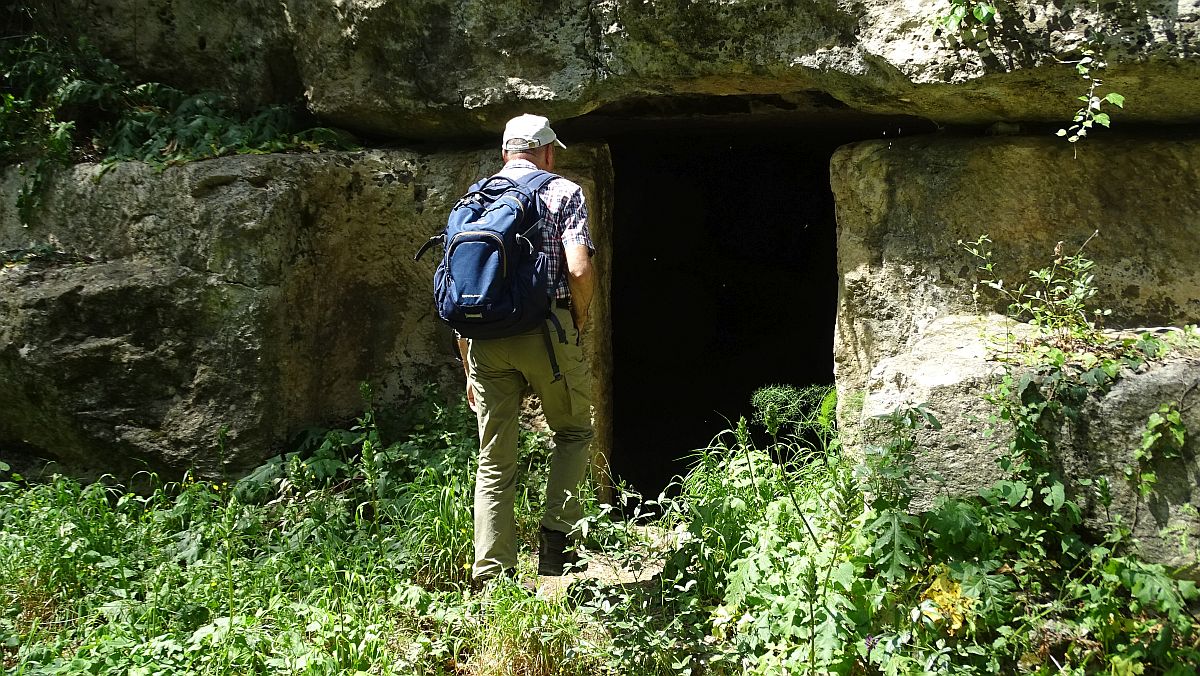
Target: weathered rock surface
[(910, 332), (947, 368), (953, 362), (903, 206), (426, 68), (252, 294), (1167, 524), (242, 48)]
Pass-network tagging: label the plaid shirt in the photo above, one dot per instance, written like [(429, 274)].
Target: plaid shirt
[(565, 222)]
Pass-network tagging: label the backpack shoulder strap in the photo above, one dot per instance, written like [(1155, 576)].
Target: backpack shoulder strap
[(534, 181)]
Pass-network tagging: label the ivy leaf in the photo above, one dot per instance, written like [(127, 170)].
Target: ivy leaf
[(1115, 99), (1179, 434), (1102, 118)]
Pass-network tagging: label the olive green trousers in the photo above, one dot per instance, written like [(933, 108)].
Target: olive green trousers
[(500, 369)]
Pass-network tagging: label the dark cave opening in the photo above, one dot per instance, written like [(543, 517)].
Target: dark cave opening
[(724, 279)]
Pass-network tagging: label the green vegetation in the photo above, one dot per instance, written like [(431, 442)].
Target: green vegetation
[(1054, 299), (976, 23), (352, 557), (968, 18), (65, 103), (1090, 114), (344, 556), (787, 557)]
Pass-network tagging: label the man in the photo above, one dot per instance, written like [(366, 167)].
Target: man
[(499, 369)]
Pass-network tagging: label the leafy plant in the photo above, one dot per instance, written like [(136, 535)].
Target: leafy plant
[(807, 414), (1055, 299), (1162, 439), (350, 555), (972, 16), (1090, 114)]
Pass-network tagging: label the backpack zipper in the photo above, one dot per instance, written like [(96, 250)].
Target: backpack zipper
[(499, 243)]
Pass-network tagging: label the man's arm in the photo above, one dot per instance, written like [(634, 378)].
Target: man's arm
[(581, 281)]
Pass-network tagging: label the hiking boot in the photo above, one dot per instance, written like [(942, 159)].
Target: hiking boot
[(553, 557)]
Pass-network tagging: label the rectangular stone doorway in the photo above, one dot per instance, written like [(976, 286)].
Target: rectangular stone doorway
[(724, 279)]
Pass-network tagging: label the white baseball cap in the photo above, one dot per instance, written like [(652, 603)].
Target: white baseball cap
[(528, 132)]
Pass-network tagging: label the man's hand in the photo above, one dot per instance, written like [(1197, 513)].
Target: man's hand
[(471, 395)]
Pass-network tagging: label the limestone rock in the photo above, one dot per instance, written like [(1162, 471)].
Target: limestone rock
[(953, 362), (947, 369), (249, 294), (909, 330), (134, 363), (433, 68), (241, 48), (1167, 524), (903, 206)]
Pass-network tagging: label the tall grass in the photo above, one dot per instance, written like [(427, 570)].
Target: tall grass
[(351, 556), (347, 556)]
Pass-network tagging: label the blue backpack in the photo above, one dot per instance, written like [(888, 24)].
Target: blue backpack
[(492, 281)]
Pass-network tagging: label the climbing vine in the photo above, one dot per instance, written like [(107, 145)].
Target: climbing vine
[(977, 20), (1091, 113)]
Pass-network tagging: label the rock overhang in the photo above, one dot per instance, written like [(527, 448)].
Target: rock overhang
[(439, 70)]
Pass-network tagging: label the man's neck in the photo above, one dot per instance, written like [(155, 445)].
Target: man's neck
[(543, 161)]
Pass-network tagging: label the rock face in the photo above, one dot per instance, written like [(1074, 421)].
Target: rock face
[(903, 206), (425, 68), (242, 48), (256, 293), (248, 294), (946, 368), (1167, 522), (910, 332)]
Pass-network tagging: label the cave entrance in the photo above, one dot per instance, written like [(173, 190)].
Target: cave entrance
[(724, 278)]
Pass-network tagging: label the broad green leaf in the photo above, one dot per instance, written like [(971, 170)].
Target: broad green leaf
[(984, 12), (1055, 496), (1115, 99), (894, 542)]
